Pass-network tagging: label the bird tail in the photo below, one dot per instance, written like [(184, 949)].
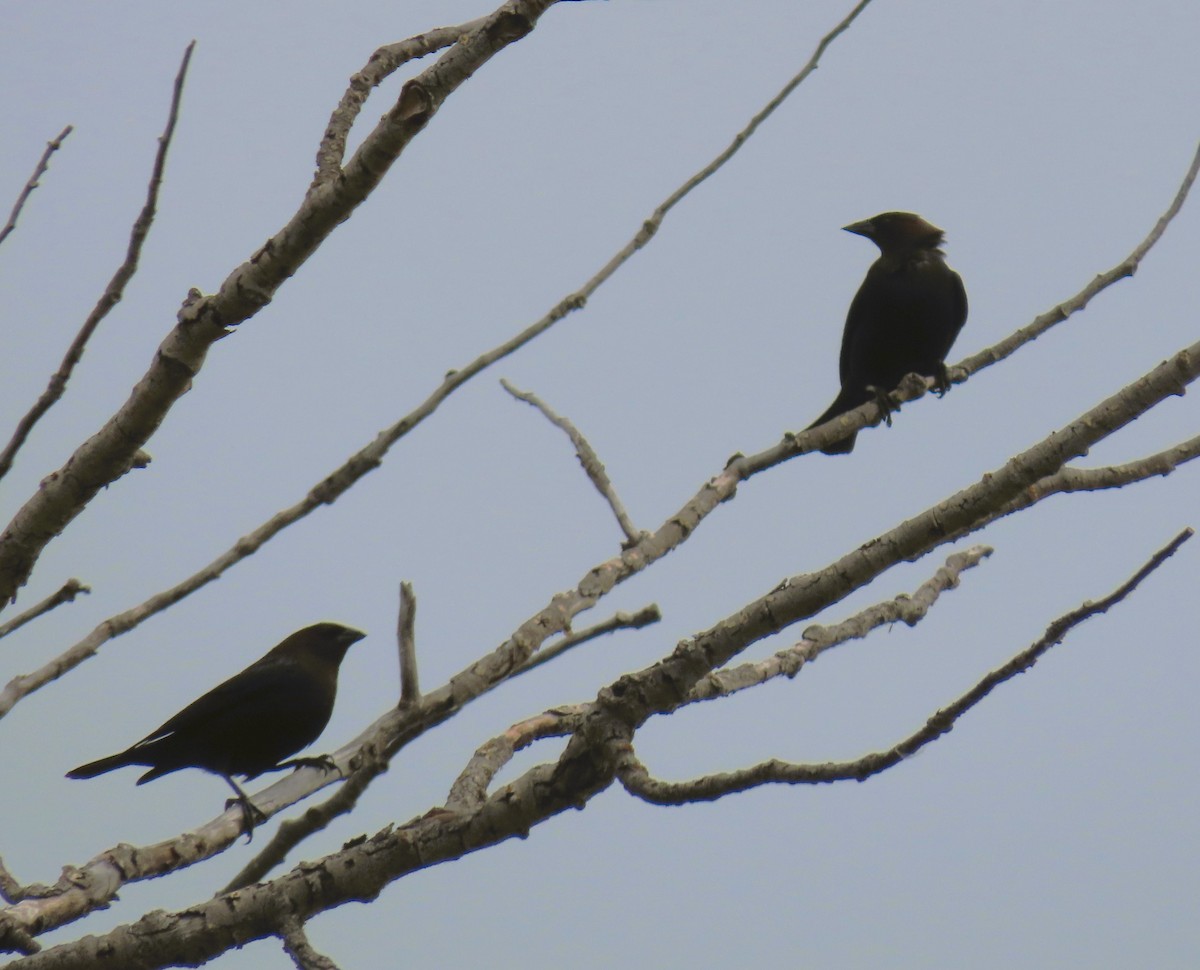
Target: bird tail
[(840, 405), (94, 768)]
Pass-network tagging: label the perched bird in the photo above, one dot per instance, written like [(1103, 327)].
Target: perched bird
[(903, 319), (250, 723)]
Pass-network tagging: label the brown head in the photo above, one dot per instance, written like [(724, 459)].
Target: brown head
[(898, 232), (323, 644)]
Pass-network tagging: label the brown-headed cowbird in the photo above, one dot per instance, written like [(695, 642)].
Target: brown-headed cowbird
[(250, 723), (903, 319)]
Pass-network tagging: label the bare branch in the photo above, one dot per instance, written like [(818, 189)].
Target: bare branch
[(70, 589), (906, 609), (82, 889), (592, 465), (650, 227), (618, 621), (205, 319), (469, 791), (636, 697), (1127, 267), (295, 942), (1068, 479), (11, 891), (40, 170), (116, 286), (624, 706), (637, 780), (15, 937), (410, 690), (362, 868), (1161, 463), (381, 65)]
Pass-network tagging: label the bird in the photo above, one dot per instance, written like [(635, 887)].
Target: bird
[(247, 725), (903, 319)]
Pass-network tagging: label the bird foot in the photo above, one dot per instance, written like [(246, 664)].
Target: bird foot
[(323, 761), (251, 814), (884, 400), (941, 380)]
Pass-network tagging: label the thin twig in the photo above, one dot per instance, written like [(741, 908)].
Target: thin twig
[(618, 621), (410, 691), (42, 166), (70, 589), (1126, 267), (650, 227), (116, 286), (638, 781), (592, 465)]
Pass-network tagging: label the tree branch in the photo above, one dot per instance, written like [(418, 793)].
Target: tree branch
[(380, 66), (66, 594), (205, 319), (39, 170), (629, 702), (906, 609), (11, 891), (116, 286), (593, 467), (295, 942), (406, 639), (469, 791), (1056, 315), (1068, 479), (1161, 463), (637, 780), (618, 621), (622, 708)]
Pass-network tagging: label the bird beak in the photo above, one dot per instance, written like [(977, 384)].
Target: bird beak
[(351, 636), (864, 228)]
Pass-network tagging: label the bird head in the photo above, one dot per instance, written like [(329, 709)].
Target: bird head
[(897, 231), (323, 641)]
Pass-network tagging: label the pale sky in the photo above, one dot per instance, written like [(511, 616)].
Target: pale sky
[(1056, 826)]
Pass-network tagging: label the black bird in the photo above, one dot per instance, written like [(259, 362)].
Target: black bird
[(903, 319), (250, 723)]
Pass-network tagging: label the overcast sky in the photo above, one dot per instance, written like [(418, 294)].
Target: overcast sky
[(1055, 827)]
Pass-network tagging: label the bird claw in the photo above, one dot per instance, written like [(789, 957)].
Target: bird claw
[(941, 380), (251, 814), (884, 400), (323, 761)]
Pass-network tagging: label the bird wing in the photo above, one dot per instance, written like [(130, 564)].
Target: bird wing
[(866, 325), (264, 691), (959, 294)]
